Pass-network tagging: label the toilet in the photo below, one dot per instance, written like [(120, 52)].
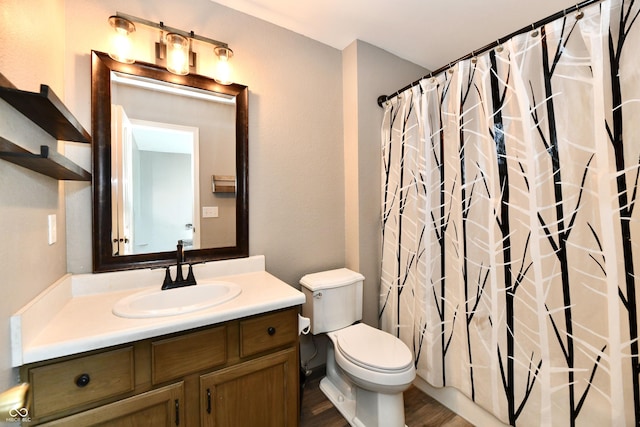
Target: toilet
[(367, 369)]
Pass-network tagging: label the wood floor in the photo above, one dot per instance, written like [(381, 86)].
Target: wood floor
[(420, 410)]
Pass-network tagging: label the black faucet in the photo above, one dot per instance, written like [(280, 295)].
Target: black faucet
[(180, 281)]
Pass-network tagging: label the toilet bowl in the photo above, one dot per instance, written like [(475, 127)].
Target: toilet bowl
[(373, 358), (367, 369)]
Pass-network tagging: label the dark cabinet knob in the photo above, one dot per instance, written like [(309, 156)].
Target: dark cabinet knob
[(271, 330), (82, 380)]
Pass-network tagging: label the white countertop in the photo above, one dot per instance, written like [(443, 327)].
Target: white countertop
[(75, 314)]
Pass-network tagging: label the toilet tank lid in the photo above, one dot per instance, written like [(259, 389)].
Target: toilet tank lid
[(330, 279)]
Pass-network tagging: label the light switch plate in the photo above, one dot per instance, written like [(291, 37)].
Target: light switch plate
[(209, 212), (53, 232)]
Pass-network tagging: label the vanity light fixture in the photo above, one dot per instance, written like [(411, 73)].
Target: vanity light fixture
[(174, 49)]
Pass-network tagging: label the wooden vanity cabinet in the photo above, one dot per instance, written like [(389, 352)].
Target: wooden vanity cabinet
[(238, 373)]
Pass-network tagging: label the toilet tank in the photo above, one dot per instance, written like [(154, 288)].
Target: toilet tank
[(333, 299)]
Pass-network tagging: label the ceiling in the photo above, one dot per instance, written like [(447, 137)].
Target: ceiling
[(430, 33)]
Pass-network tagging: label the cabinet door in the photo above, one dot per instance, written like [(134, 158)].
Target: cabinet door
[(156, 408), (261, 392)]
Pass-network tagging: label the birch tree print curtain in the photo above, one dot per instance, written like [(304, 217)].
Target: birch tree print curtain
[(511, 241)]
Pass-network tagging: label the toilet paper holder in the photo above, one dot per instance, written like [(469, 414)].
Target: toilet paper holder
[(304, 325)]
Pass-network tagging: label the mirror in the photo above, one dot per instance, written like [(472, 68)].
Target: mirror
[(170, 162)]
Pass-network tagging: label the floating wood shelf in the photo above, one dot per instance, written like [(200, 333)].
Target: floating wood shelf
[(46, 162), (46, 110)]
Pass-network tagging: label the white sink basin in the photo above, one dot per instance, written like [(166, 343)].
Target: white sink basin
[(158, 303)]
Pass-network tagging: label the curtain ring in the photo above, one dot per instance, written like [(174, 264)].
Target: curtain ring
[(474, 58), (534, 33), (450, 68), (579, 13), (499, 47)]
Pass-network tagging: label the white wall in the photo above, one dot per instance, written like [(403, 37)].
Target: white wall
[(165, 206)]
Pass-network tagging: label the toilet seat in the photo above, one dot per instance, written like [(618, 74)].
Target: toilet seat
[(373, 349)]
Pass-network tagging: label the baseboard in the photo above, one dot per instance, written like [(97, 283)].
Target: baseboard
[(460, 404)]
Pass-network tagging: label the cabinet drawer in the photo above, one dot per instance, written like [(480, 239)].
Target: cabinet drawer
[(76, 382), (268, 332), (175, 357)]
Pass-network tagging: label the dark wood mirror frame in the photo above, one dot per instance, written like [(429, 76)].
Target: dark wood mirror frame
[(103, 259)]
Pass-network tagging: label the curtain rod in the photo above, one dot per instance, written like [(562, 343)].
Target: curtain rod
[(384, 98)]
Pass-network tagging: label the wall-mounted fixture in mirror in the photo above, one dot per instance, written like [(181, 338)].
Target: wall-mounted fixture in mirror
[(159, 139)]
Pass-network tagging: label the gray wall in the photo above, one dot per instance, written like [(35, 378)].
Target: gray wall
[(296, 171), (368, 72), (28, 263), (300, 174)]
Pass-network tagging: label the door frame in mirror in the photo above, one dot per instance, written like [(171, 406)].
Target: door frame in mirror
[(103, 260)]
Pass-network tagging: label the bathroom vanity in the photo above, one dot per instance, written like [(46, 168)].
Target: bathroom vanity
[(234, 364)]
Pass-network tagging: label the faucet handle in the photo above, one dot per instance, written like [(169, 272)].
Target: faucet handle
[(167, 279), (191, 279)]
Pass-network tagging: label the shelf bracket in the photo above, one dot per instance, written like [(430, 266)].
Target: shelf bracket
[(44, 153)]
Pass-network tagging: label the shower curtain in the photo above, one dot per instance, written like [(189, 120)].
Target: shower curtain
[(510, 234)]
